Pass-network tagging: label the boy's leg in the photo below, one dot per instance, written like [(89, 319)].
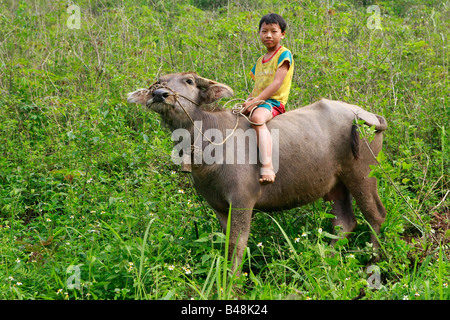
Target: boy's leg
[(262, 115)]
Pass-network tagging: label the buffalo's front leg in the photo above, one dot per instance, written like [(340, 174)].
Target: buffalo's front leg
[(239, 231)]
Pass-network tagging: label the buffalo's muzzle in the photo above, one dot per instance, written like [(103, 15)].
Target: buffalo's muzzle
[(160, 95)]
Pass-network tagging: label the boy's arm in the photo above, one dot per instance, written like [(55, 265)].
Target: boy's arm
[(280, 74)]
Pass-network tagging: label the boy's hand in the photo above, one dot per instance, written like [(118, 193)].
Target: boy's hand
[(246, 105)]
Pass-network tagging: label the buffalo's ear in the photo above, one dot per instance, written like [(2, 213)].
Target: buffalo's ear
[(140, 96), (212, 91)]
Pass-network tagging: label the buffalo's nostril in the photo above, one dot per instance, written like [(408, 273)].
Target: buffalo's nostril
[(160, 95)]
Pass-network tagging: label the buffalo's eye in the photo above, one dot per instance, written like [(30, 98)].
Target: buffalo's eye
[(189, 81)]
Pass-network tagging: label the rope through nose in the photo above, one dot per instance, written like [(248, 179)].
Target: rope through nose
[(155, 86), (238, 109)]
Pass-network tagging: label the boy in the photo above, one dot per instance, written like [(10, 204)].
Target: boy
[(272, 74)]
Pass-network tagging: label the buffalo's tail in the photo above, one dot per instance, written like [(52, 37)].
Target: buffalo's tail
[(355, 141), (355, 134)]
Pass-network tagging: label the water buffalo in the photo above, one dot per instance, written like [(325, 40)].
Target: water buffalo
[(319, 156)]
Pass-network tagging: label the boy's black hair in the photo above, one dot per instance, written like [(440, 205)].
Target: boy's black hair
[(273, 18)]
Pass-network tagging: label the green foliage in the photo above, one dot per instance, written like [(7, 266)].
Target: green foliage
[(86, 180)]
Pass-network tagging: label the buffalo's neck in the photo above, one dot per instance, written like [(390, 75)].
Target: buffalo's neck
[(202, 121), (205, 127), (214, 120)]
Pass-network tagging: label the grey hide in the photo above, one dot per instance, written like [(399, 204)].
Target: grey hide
[(316, 159)]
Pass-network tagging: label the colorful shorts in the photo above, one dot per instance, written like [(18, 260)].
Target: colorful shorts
[(273, 105)]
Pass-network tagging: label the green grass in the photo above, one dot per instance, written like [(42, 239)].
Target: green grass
[(86, 180)]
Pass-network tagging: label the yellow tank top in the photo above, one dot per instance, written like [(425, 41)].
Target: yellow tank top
[(263, 73)]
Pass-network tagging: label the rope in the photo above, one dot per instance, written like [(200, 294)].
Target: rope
[(238, 109)]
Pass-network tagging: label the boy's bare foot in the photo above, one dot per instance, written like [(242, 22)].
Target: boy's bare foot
[(267, 175)]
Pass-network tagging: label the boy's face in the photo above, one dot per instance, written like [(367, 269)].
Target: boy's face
[(271, 35)]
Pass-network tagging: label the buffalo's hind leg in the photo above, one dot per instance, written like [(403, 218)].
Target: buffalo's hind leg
[(364, 188), (368, 200), (342, 209)]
